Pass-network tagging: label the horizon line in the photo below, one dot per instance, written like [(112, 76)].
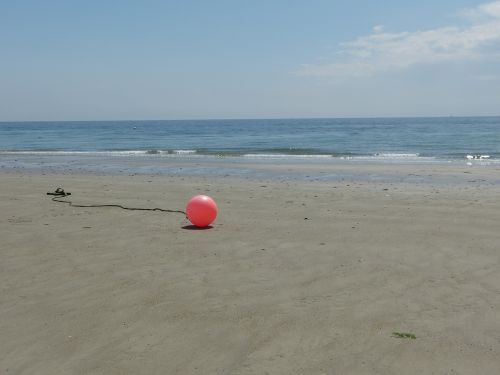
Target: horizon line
[(257, 118)]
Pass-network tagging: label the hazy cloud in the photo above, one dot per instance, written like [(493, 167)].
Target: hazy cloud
[(381, 51), (482, 12)]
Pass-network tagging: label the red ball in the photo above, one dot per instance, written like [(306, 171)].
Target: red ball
[(201, 210)]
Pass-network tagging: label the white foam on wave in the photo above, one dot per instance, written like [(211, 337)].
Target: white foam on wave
[(101, 153), (76, 153), (378, 156), (184, 152), (477, 157), (391, 157), (396, 155), (140, 153), (285, 156)]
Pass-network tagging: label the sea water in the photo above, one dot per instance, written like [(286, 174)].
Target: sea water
[(445, 137), (148, 146)]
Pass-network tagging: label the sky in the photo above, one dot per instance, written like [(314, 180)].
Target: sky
[(134, 60)]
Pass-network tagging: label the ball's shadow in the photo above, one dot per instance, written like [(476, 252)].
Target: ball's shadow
[(194, 227)]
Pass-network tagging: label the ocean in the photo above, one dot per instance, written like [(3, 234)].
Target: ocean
[(236, 147), (444, 138)]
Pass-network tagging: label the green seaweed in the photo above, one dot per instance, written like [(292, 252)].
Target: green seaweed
[(404, 335)]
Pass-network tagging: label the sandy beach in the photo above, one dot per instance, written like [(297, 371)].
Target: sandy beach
[(294, 277)]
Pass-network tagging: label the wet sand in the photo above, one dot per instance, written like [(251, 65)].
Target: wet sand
[(294, 277)]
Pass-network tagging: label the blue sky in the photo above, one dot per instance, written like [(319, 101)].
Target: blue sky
[(98, 60)]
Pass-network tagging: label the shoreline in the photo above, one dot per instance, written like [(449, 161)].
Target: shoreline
[(328, 170)]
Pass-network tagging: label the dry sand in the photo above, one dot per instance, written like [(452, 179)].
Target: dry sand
[(293, 278)]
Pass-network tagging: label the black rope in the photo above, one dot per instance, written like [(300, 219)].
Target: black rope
[(60, 193)]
